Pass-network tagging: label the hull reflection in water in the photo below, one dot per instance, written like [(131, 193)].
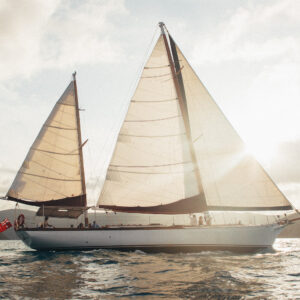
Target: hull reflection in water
[(166, 239)]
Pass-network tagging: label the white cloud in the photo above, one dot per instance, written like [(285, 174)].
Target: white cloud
[(35, 34), (252, 33)]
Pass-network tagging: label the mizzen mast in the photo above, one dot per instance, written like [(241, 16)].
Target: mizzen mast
[(80, 146)]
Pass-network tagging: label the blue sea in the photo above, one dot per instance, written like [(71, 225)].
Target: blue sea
[(108, 274)]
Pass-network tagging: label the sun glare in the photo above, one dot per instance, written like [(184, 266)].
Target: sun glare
[(264, 151)]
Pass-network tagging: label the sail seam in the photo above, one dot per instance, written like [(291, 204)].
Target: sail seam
[(49, 169), (160, 67), (57, 127), (157, 76), (149, 173), (48, 177), (52, 152), (164, 165), (61, 161), (153, 120), (46, 187), (65, 104), (153, 136), (154, 101)]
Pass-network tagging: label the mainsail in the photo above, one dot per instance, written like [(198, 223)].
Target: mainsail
[(52, 173), (177, 153)]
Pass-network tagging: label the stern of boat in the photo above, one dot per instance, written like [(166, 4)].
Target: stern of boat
[(24, 236)]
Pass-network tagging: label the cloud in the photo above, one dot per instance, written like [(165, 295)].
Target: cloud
[(37, 35), (252, 33)]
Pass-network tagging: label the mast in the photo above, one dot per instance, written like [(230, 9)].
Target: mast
[(179, 87), (80, 148)]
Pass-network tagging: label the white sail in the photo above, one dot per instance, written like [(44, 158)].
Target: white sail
[(231, 178), (52, 167), (176, 149), (151, 165)]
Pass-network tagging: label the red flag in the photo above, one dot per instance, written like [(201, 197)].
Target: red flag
[(5, 225)]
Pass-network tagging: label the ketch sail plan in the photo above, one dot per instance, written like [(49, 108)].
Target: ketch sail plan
[(176, 153)]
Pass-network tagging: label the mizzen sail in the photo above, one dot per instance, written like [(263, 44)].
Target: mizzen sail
[(52, 172)]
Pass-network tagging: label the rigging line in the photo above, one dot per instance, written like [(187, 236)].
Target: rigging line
[(153, 101), (52, 152), (46, 177), (141, 182), (163, 75), (63, 162), (130, 92), (64, 104), (154, 120), (62, 110), (157, 76), (152, 136), (89, 159), (149, 173), (49, 169), (153, 166), (46, 188), (59, 124), (58, 134), (56, 127), (159, 67), (197, 138)]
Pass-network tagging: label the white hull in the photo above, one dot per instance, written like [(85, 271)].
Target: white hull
[(230, 237)]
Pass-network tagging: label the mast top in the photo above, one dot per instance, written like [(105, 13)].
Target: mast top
[(74, 76), (162, 27)]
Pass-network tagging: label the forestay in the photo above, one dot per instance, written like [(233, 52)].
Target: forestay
[(51, 173)]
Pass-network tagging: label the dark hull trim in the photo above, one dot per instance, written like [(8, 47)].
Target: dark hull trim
[(78, 201)]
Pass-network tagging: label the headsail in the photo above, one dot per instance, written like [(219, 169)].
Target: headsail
[(177, 153), (52, 173), (231, 178)]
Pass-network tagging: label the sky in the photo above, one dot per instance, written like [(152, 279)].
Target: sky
[(247, 54)]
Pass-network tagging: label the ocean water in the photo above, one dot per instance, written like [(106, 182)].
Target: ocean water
[(107, 274)]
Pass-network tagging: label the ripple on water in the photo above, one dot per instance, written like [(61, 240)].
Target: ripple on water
[(107, 274)]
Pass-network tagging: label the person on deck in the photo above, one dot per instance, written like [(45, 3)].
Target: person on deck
[(46, 224), (193, 220), (201, 222), (80, 226), (208, 220), (95, 225)]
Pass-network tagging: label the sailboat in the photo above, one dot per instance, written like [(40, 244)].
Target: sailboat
[(176, 153)]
